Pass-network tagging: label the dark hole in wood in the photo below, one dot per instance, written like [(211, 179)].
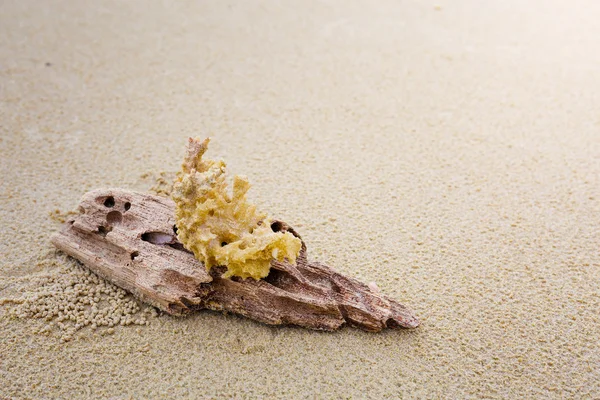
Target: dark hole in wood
[(276, 226), (223, 244), (134, 254), (273, 277), (109, 202), (158, 238), (127, 206), (161, 238), (175, 229), (103, 230)]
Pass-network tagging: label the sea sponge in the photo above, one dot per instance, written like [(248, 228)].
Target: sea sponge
[(224, 229)]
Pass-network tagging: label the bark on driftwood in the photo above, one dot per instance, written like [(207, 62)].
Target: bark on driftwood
[(129, 239)]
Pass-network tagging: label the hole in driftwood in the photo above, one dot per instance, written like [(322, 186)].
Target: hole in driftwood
[(276, 226), (114, 217), (175, 229), (127, 206), (103, 230), (134, 254), (158, 238), (282, 280), (223, 244), (109, 202), (161, 238), (273, 277)]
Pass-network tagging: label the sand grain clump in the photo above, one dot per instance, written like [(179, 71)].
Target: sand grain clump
[(71, 298)]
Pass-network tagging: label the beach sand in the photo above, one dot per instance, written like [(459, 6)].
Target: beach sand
[(449, 151)]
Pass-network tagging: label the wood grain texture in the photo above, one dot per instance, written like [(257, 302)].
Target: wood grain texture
[(129, 239)]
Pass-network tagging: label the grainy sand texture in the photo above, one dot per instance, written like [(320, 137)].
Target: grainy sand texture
[(448, 150)]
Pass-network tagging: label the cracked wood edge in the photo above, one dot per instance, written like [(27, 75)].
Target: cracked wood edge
[(129, 239)]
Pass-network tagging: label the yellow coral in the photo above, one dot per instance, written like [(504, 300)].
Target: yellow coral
[(221, 229)]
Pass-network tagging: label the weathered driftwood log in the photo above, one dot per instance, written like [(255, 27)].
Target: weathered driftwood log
[(129, 239)]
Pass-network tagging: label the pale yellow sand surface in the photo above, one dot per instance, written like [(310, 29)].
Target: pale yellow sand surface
[(448, 150)]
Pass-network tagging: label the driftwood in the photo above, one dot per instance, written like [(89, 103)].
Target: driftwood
[(129, 239)]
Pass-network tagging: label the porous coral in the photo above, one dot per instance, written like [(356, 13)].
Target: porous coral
[(224, 229)]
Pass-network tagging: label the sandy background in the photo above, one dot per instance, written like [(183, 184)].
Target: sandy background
[(449, 151)]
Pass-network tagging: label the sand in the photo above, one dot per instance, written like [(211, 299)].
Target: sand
[(449, 151)]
